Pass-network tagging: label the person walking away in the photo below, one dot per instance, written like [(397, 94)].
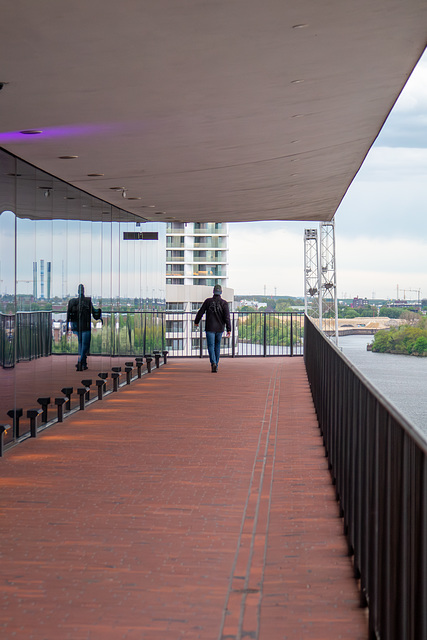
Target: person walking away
[(79, 321), (217, 317)]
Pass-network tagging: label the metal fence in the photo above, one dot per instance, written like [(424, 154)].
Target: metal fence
[(33, 334), (28, 335), (136, 333), (24, 336), (378, 463)]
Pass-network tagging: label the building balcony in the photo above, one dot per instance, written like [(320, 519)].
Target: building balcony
[(210, 243), (210, 229), (172, 271), (210, 272), (174, 243)]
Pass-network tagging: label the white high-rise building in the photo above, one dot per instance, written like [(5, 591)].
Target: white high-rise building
[(197, 253), (196, 260)]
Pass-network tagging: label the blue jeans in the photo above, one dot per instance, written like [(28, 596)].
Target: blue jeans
[(84, 345), (213, 339)]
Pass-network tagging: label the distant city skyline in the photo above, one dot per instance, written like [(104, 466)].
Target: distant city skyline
[(381, 224)]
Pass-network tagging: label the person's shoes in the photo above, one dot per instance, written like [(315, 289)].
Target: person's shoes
[(213, 367), (78, 366), (84, 367)]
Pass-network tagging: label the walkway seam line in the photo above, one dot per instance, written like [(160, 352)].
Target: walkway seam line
[(268, 400), (274, 403)]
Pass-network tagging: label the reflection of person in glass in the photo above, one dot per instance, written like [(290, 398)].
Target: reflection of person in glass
[(79, 314)]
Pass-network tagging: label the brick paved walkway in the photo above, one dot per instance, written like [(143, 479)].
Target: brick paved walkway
[(187, 505)]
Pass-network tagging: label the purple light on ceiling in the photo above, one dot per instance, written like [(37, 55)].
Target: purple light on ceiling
[(50, 133)]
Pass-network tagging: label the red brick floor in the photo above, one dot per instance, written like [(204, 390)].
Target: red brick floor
[(187, 505), (20, 386)]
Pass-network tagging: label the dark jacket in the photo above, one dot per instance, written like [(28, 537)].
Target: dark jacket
[(217, 314), (79, 313)]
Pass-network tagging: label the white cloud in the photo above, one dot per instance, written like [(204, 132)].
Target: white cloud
[(269, 255), (365, 265)]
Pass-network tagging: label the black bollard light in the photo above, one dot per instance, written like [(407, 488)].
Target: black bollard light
[(115, 376), (3, 429), (60, 407), (15, 414), (44, 402), (68, 391), (33, 414), (100, 384), (81, 392)]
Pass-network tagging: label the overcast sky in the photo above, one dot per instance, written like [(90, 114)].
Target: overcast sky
[(380, 227)]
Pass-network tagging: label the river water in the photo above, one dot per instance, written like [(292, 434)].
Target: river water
[(401, 379)]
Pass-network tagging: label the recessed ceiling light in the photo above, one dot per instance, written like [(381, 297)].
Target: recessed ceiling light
[(117, 188), (298, 115), (14, 175), (296, 81), (159, 213), (44, 188), (31, 132), (299, 26), (69, 198), (95, 175), (134, 198), (67, 157)]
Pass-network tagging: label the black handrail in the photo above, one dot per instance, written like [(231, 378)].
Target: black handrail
[(378, 461), (139, 332)]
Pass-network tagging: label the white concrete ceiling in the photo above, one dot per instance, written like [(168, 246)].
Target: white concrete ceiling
[(206, 110)]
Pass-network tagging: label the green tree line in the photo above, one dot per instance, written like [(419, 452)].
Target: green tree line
[(277, 329), (408, 339)]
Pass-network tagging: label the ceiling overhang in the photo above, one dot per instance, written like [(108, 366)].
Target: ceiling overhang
[(205, 111)]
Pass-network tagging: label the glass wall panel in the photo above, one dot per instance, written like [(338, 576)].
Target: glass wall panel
[(53, 238)]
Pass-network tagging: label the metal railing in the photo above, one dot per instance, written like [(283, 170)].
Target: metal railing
[(378, 462), (33, 334), (7, 340), (138, 333), (24, 336)]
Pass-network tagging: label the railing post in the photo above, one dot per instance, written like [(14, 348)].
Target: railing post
[(233, 336), (292, 336), (265, 334)]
